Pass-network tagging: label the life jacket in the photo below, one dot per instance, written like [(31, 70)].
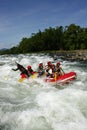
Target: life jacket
[(23, 76)]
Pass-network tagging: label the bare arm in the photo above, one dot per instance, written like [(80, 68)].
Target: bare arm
[(15, 69)]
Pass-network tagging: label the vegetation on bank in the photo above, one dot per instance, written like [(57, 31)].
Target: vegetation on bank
[(70, 37)]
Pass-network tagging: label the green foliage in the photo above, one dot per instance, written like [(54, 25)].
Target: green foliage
[(70, 37)]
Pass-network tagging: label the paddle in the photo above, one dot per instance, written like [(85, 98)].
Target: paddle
[(6, 77), (34, 76), (55, 76), (21, 79), (63, 71)]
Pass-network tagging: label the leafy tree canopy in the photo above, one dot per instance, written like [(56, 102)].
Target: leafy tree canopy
[(70, 37)]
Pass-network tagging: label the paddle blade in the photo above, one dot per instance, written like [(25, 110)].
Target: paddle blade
[(55, 76), (6, 77), (34, 76), (21, 79)]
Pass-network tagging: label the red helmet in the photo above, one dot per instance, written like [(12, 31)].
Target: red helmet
[(41, 64), (48, 62), (58, 64), (29, 67)]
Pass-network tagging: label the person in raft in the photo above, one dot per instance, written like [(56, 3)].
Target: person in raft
[(24, 72), (49, 69), (30, 70), (41, 70), (59, 71)]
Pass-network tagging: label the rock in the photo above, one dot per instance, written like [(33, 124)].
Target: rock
[(77, 55)]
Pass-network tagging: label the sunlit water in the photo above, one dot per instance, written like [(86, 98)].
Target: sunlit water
[(36, 105)]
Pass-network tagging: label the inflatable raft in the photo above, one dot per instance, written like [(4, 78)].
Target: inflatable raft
[(66, 78)]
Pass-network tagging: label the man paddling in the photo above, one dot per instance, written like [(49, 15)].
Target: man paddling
[(41, 70), (59, 70), (21, 69)]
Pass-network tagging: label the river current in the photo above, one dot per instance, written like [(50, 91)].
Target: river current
[(36, 105)]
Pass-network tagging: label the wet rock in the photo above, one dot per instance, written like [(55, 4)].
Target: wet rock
[(79, 55)]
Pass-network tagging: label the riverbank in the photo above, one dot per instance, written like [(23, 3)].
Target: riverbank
[(76, 55)]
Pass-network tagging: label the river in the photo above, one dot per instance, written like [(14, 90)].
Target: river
[(36, 105)]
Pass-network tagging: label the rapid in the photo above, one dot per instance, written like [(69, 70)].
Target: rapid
[(36, 105)]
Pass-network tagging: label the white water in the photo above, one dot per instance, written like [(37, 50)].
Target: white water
[(35, 105)]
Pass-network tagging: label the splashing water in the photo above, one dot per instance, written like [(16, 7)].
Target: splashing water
[(36, 105)]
